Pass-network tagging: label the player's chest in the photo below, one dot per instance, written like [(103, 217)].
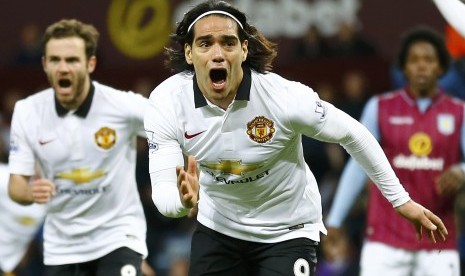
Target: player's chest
[(245, 135), (74, 139), (402, 126)]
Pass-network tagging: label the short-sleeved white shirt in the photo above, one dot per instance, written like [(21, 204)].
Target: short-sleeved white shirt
[(90, 155), (18, 225), (255, 184)]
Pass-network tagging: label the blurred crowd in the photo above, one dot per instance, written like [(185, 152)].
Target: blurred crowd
[(168, 239)]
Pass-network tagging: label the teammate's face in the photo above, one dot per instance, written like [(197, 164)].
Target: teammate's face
[(68, 70), (217, 55), (422, 69)]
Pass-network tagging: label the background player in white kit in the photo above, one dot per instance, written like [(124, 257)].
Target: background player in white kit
[(83, 136), (259, 209), (18, 224)]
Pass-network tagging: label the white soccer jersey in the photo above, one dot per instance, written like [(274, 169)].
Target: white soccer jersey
[(254, 182), (90, 155), (18, 225)]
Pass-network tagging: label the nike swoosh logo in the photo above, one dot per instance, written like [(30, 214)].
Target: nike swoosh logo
[(190, 136), (43, 142)]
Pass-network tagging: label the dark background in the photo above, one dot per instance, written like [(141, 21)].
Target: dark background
[(381, 22)]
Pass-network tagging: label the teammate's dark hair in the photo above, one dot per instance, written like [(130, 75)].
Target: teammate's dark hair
[(426, 34), (261, 51)]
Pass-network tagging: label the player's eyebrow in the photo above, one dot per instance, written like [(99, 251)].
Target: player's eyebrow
[(223, 37)]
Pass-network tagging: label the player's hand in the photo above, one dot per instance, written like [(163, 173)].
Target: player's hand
[(147, 270), (423, 220), (334, 234), (42, 190), (193, 212), (188, 183), (450, 181), (335, 245)]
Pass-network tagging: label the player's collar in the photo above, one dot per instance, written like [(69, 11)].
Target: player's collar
[(436, 97), (243, 93), (83, 109)]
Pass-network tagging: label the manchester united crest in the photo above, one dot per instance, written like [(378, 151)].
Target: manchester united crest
[(260, 129), (105, 137)]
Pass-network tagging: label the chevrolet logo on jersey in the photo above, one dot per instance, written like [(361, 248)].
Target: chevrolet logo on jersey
[(27, 221), (81, 175), (230, 167)]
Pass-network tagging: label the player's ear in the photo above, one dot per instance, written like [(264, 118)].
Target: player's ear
[(188, 53), (91, 64), (245, 50)]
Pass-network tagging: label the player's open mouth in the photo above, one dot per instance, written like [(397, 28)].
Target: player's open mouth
[(218, 77), (64, 83)]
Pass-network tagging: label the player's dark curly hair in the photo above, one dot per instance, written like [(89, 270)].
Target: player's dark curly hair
[(73, 28), (426, 34), (261, 51)]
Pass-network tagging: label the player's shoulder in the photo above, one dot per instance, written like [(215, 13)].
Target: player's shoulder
[(109, 91), (453, 99), (269, 78), (170, 87), (270, 82), (35, 103), (389, 94), (111, 95), (39, 97)]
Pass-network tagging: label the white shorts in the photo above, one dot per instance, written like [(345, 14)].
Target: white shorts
[(380, 259)]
